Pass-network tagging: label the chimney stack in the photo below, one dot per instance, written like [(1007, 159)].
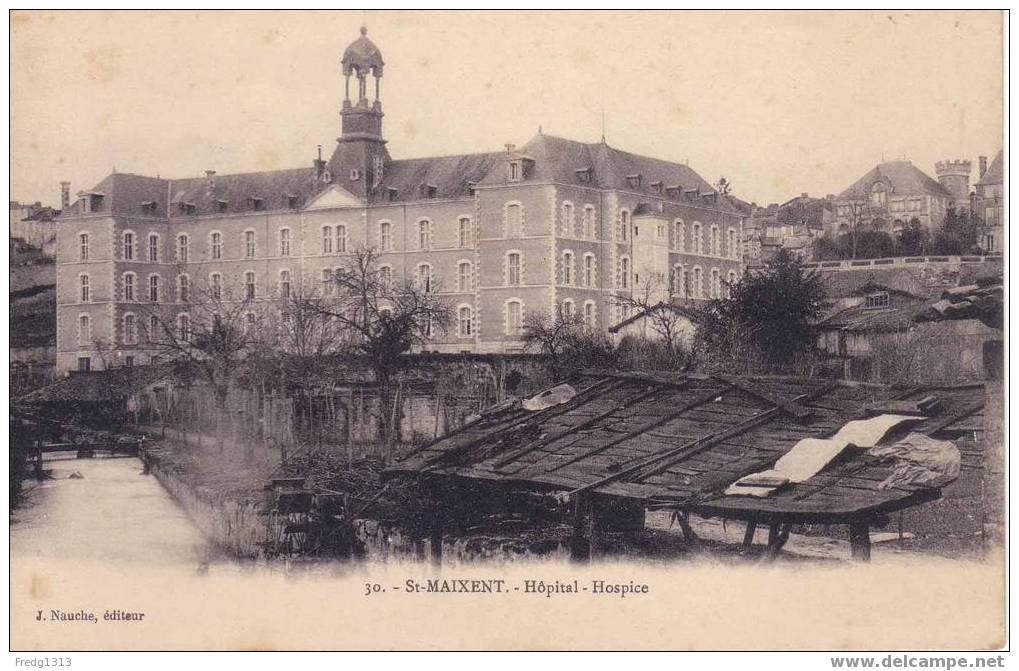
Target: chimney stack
[(320, 165), (210, 181), (65, 195), (983, 166), (804, 195), (510, 147)]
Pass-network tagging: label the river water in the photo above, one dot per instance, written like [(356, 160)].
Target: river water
[(111, 512)]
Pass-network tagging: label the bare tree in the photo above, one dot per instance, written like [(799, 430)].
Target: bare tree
[(383, 318), (553, 333), (650, 299)]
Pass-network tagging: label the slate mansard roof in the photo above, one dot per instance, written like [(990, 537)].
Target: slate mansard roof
[(995, 172), (551, 159), (905, 178)]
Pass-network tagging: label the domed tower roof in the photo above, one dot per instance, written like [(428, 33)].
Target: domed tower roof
[(362, 57)]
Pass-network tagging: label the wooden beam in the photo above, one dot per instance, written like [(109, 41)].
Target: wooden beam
[(790, 407), (528, 417), (952, 419), (748, 536), (538, 444), (538, 417), (859, 540), (665, 419)]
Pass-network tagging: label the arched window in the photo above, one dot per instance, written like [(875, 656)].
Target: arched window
[(249, 285), (679, 236), (716, 283), (698, 239), (327, 239), (385, 236), (424, 234), (341, 238), (465, 321), (624, 225), (569, 310), (216, 245), (184, 327), (568, 269), (731, 279), (153, 248), (590, 279), (284, 241), (698, 283), (183, 288), (154, 288), (129, 286), (716, 244), (425, 277), (83, 247), (216, 286), (624, 272), (514, 317), (249, 244), (568, 223), (183, 246), (85, 286), (514, 220), (589, 224), (84, 330), (464, 279), (731, 244), (130, 329), (327, 281), (514, 268), (464, 237), (128, 245), (589, 313), (285, 284)]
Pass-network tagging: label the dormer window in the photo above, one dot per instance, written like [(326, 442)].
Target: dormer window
[(355, 175), (257, 203), (221, 205), (516, 171), (392, 193), (149, 206), (290, 200), (583, 175), (656, 187), (91, 202), (674, 191), (633, 181), (691, 193), (187, 208), (428, 190), (876, 300), (469, 187)]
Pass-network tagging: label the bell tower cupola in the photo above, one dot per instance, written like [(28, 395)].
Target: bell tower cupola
[(360, 158)]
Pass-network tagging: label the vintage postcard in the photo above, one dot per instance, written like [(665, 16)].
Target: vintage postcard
[(508, 330)]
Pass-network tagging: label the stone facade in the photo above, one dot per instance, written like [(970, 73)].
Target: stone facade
[(499, 235)]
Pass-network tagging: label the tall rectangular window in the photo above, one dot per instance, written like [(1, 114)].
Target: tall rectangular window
[(86, 289), (182, 248), (514, 318), (327, 239), (284, 242), (130, 330), (153, 248), (285, 283), (589, 270), (84, 330), (341, 238), (83, 247), (217, 245), (513, 225), (463, 277), (424, 235), (129, 286), (513, 269), (128, 246), (249, 244), (217, 286), (465, 232), (183, 288), (385, 236), (154, 288), (249, 285)]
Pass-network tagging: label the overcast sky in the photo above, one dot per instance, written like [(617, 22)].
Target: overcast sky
[(779, 103)]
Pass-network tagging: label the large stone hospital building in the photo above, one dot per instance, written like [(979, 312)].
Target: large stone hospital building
[(501, 234)]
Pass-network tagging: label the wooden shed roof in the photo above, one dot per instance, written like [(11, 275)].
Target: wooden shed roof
[(679, 441)]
